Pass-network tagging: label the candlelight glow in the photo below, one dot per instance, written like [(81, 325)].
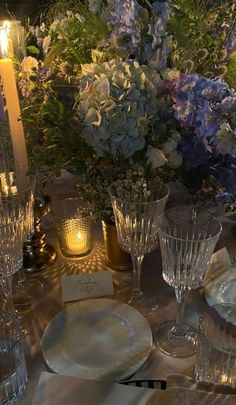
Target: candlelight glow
[(4, 41), (6, 24), (226, 379), (8, 84), (79, 236)]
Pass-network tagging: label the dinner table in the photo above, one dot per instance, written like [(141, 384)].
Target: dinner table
[(49, 303)]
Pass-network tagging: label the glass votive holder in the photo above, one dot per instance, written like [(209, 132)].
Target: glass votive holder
[(74, 227), (216, 350)]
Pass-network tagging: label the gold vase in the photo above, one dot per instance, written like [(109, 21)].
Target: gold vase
[(116, 258)]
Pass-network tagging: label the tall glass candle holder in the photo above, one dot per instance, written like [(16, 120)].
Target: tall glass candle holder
[(74, 227), (16, 38)]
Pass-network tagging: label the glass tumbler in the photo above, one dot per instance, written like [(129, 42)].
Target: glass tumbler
[(13, 373), (216, 349)]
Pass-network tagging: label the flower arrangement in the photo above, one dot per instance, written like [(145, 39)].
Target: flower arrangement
[(116, 87)]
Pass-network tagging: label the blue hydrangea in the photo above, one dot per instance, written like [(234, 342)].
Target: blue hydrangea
[(117, 103)]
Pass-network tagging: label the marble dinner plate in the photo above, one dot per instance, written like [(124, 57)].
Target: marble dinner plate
[(97, 339)]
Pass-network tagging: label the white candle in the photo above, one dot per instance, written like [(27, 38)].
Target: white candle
[(13, 109)]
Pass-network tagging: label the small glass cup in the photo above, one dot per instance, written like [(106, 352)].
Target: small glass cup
[(74, 227), (13, 372), (216, 349)]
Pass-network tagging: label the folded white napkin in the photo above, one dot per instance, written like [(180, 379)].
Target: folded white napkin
[(181, 390), (62, 390)]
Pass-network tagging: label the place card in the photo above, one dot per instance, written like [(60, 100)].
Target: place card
[(86, 285)]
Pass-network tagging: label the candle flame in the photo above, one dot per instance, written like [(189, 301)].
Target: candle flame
[(79, 236), (4, 41)]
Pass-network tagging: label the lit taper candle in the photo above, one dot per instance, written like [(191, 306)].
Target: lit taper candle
[(8, 81)]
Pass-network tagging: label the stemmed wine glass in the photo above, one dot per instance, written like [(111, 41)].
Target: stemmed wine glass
[(25, 289), (11, 242), (136, 222), (187, 238)]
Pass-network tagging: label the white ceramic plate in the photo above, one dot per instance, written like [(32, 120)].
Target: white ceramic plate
[(97, 339), (221, 288)]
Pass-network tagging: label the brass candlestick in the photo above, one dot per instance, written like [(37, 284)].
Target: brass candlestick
[(38, 255)]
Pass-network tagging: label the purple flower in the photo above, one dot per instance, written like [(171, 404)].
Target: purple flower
[(126, 24), (225, 198)]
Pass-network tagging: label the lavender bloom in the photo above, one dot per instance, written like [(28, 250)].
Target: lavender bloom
[(126, 23), (157, 25), (205, 112), (225, 198), (196, 111), (231, 40), (155, 54)]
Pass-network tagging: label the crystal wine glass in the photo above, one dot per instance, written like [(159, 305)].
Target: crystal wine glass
[(136, 222), (25, 289), (187, 238), (11, 242)]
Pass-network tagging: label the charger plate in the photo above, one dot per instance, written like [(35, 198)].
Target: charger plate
[(97, 339)]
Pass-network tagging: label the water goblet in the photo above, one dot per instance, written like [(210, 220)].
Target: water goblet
[(187, 238), (136, 222), (25, 289)]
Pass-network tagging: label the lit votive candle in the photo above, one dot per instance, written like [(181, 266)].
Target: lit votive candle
[(75, 237)]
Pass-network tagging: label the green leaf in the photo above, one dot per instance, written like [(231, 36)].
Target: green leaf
[(33, 49)]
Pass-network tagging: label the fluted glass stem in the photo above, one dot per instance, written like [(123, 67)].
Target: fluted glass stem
[(137, 263), (181, 294), (21, 280), (7, 293)]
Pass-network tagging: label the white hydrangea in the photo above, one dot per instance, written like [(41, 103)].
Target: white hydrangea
[(28, 64), (170, 74), (170, 149), (174, 159), (226, 139), (46, 43), (54, 25), (155, 157), (43, 27)]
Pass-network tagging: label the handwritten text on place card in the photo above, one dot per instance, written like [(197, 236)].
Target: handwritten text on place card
[(81, 286)]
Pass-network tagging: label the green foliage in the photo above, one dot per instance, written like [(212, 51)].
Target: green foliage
[(73, 38), (200, 29), (33, 49), (230, 76), (60, 7)]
